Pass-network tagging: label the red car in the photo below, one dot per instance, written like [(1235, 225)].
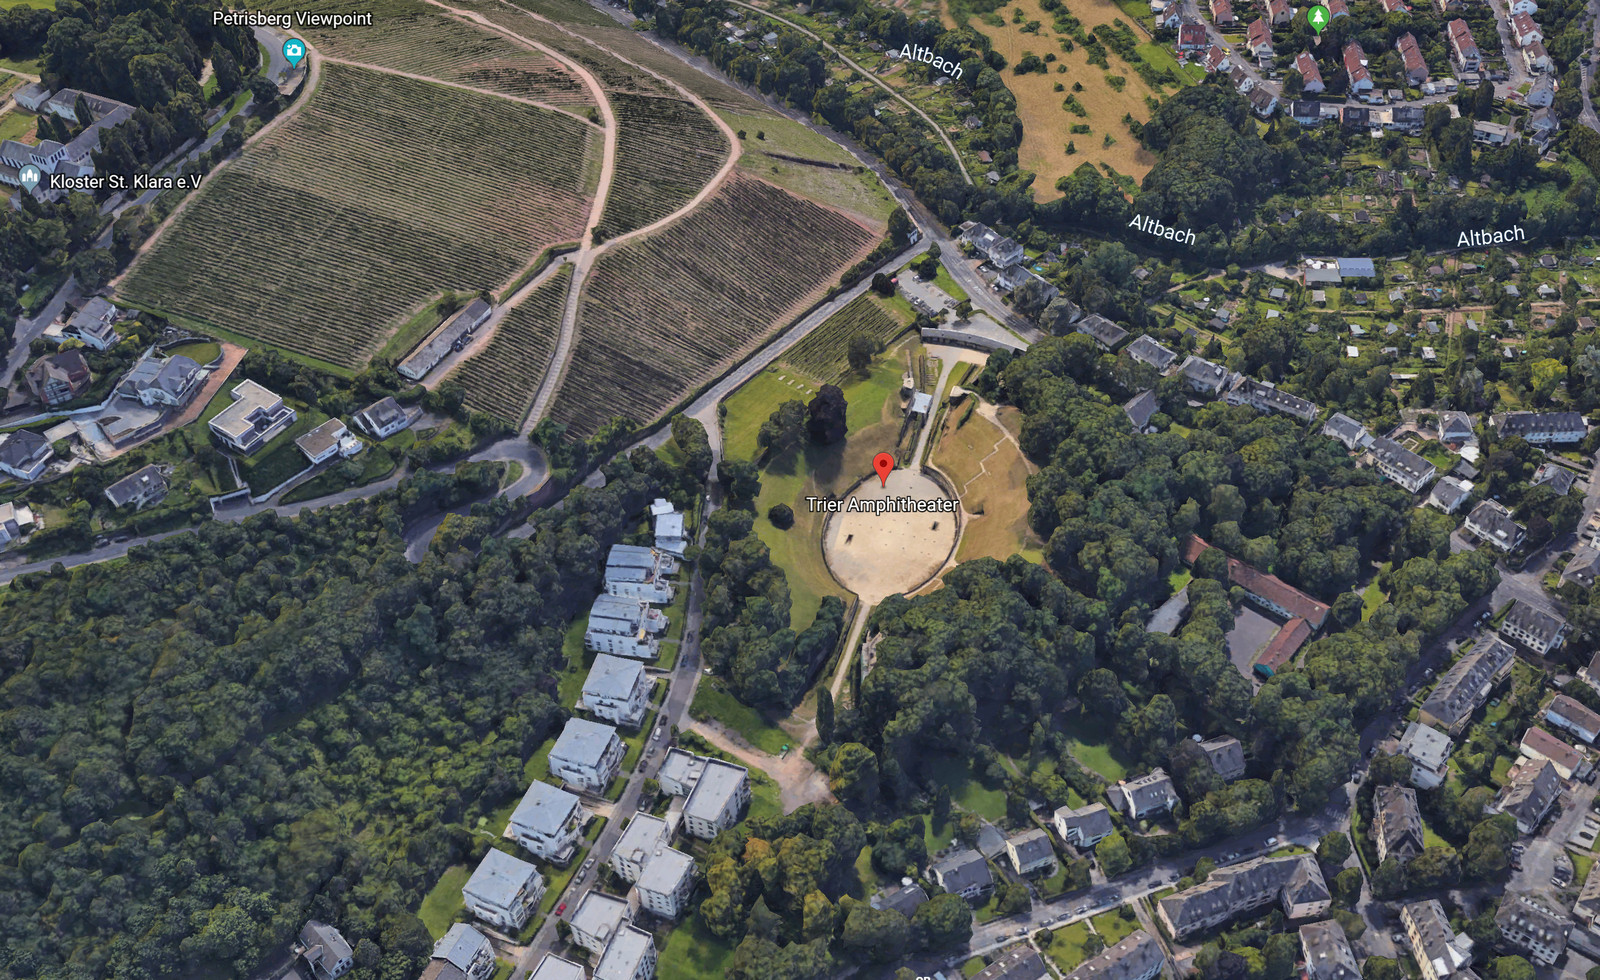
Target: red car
[(561, 908)]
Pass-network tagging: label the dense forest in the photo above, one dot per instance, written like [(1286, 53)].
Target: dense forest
[(236, 729)]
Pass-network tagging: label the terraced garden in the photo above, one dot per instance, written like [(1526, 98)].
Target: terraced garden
[(667, 150), (660, 314), (823, 354), (326, 233), (503, 378)]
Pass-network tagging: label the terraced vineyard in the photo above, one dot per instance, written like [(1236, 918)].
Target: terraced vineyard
[(503, 378), (413, 37), (330, 229), (823, 354), (661, 313), (614, 75), (667, 150)]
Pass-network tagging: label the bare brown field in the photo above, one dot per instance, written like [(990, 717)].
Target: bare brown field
[(991, 480), (1045, 123)]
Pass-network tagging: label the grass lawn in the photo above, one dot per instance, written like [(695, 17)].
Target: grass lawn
[(1178, 579), (1371, 598), (865, 872), (1112, 927), (991, 475), (764, 798), (749, 407), (201, 351), (972, 967), (1055, 884), (713, 702), (556, 879), (1090, 748), (693, 953), (1067, 946), (413, 331), (1581, 863), (17, 124), (279, 459), (440, 905), (937, 837), (947, 283), (1431, 839), (502, 970), (989, 909), (968, 793)]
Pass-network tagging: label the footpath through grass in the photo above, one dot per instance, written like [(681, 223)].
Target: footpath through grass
[(712, 702)]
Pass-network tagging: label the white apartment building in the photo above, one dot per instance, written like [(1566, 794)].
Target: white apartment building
[(547, 822), (666, 882), (503, 891), (617, 690), (588, 755), (597, 918), (643, 836)]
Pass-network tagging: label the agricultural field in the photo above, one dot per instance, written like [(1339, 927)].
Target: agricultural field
[(1046, 121), (662, 313), (614, 74), (503, 378), (667, 150), (409, 35), (328, 267), (822, 354), (799, 159)]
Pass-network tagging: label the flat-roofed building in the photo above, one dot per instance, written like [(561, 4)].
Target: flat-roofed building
[(1429, 751), (597, 918), (666, 882), (255, 417), (453, 336), (643, 836), (719, 796), (553, 967), (587, 755), (637, 572), (547, 822), (631, 955), (503, 891), (625, 627)]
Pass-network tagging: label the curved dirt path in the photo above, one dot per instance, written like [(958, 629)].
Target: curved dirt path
[(368, 66), (313, 77), (799, 782)]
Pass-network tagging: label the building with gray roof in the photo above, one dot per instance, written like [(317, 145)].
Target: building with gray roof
[(718, 798), (1357, 269), (1491, 522), (1440, 953), (1226, 756), (631, 955), (1348, 431), (547, 822), (453, 336), (504, 890), (1583, 568), (1031, 853), (903, 898), (617, 690), (1143, 795), (679, 771), (157, 380), (467, 950), (254, 419), (1102, 331), (636, 572), (1204, 377), (1294, 882), (1084, 826), (1018, 963), (1266, 397), (25, 454), (1558, 478), (623, 626), (1141, 408), (1401, 465), (1455, 426), (553, 967), (383, 418), (1541, 428), (666, 882), (1534, 928), (587, 755), (1327, 952), (643, 836), (1466, 685), (1449, 494), (1429, 752), (144, 486), (962, 872), (1534, 628), (597, 918), (1146, 349), (324, 950), (1136, 957), (1530, 790), (1397, 823)]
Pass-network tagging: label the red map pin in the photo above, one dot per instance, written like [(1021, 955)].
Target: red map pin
[(883, 463)]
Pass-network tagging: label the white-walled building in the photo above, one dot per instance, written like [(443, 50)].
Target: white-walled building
[(503, 891), (597, 918), (547, 822), (643, 836), (588, 755), (624, 627), (666, 882), (617, 690)]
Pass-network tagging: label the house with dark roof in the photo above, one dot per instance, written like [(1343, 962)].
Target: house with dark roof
[(1491, 522), (1202, 376), (1455, 427), (1465, 687), (1530, 790), (1226, 756), (905, 899), (1449, 494), (962, 872), (141, 488), (56, 379), (1542, 428), (1397, 823), (1018, 963), (1264, 396), (452, 336), (1401, 465), (1031, 853), (1144, 795), (25, 454), (1083, 827), (1136, 957), (1348, 431), (1293, 882), (1533, 928), (1140, 408), (1327, 952), (1146, 349), (1583, 567), (1439, 952), (1102, 331), (324, 951), (1574, 716), (1534, 628), (382, 419)]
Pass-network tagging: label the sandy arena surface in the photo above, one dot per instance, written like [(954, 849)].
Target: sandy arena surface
[(878, 555)]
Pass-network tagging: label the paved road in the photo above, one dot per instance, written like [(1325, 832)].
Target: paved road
[(1586, 68), (27, 330), (1516, 68)]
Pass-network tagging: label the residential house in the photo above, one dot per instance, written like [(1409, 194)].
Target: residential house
[(1348, 431), (1337, 9), (1429, 752), (383, 418), (171, 381), (1192, 37), (1587, 908), (1031, 853), (636, 572), (503, 891), (1401, 465), (1306, 113), (1533, 928), (670, 534), (1267, 397), (1309, 72), (1148, 350), (1278, 12), (1543, 93), (1539, 744), (92, 324), (1140, 409), (254, 419), (31, 96), (1524, 31), (597, 918), (1327, 952), (625, 627), (1021, 962), (1137, 956), (56, 379), (666, 882), (1144, 795), (1262, 101), (547, 822), (962, 872), (25, 454), (324, 951), (1293, 882), (1407, 119), (1449, 494), (1536, 58), (1542, 428), (1412, 64), (1491, 522), (1464, 51), (1530, 790), (1541, 127), (1085, 826), (453, 336), (587, 755), (1397, 823), (1352, 117), (1204, 377), (326, 441), (718, 798), (999, 250), (631, 955), (1455, 427), (1465, 686), (1258, 38), (553, 967), (1226, 756), (1215, 59), (1102, 331), (1583, 567), (617, 690), (1222, 13), (1355, 68), (641, 838), (1440, 953), (905, 899), (1571, 714), (141, 488), (1535, 629)]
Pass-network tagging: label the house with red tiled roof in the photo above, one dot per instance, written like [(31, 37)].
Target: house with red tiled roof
[(1278, 12), (1462, 47), (1355, 66), (1192, 37), (1222, 13), (1396, 7), (1258, 38), (1525, 31), (1276, 595), (1307, 67), (1337, 9), (1284, 645), (1411, 60), (1216, 58)]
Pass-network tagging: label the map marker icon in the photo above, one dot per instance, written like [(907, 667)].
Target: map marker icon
[(29, 177)]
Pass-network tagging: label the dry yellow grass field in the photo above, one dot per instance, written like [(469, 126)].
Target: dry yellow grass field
[(991, 477), (1045, 123)]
